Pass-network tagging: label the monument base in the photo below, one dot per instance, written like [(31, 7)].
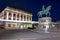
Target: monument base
[(45, 23)]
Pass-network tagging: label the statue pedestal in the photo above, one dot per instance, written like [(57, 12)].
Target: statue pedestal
[(44, 23)]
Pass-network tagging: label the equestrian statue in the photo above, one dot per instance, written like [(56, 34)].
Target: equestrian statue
[(44, 11)]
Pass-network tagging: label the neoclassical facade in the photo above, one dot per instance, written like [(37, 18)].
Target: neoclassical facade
[(16, 19), (15, 14)]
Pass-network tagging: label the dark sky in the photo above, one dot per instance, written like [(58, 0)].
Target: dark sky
[(33, 6)]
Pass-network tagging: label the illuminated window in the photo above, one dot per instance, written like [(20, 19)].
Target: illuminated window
[(13, 25), (9, 25)]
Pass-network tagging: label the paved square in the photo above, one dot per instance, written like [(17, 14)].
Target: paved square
[(27, 34)]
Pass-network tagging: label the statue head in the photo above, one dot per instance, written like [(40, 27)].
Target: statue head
[(49, 7), (43, 7)]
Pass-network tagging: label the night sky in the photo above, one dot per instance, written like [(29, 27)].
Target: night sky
[(33, 6)]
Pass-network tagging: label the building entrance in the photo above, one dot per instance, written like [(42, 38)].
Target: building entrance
[(21, 27)]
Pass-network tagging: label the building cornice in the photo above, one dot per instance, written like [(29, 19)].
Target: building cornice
[(17, 11)]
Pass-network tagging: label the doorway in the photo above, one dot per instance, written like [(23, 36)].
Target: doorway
[(21, 27)]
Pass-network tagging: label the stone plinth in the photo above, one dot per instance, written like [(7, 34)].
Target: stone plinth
[(44, 23)]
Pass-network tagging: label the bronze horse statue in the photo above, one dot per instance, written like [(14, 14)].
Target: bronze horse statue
[(44, 11)]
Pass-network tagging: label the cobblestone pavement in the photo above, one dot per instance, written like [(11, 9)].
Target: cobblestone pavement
[(28, 35)]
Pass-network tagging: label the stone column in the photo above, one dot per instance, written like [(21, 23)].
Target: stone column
[(29, 18), (12, 16), (20, 17), (3, 14), (7, 15), (16, 16), (26, 18)]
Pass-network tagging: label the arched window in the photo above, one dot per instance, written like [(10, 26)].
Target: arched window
[(14, 14), (21, 17), (9, 14), (18, 15)]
